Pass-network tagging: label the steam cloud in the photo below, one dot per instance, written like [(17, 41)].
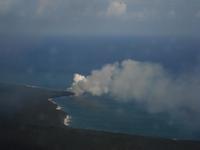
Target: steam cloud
[(143, 82)]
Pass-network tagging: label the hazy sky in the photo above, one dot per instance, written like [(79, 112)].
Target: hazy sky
[(100, 17)]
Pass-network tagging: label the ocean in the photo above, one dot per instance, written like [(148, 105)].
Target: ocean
[(52, 61)]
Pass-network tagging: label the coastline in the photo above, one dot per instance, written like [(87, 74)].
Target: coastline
[(31, 120)]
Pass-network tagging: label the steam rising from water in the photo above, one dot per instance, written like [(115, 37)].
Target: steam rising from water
[(143, 82)]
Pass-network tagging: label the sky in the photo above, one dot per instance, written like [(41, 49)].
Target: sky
[(100, 17)]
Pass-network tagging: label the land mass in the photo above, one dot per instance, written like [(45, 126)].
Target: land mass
[(28, 120)]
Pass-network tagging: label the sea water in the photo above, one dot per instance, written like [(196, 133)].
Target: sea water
[(51, 62)]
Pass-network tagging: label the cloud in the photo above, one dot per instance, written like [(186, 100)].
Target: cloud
[(6, 5), (172, 14), (143, 82), (198, 14), (136, 17), (50, 7), (42, 4), (116, 8)]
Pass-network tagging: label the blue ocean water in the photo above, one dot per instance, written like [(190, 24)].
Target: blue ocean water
[(51, 62), (106, 114)]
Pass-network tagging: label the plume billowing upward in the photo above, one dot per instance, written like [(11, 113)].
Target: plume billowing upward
[(144, 82)]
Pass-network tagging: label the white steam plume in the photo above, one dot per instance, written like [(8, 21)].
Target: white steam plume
[(144, 82)]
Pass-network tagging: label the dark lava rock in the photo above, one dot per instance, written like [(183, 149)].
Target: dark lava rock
[(29, 121)]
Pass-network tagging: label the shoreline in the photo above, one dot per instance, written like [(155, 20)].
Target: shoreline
[(28, 120)]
